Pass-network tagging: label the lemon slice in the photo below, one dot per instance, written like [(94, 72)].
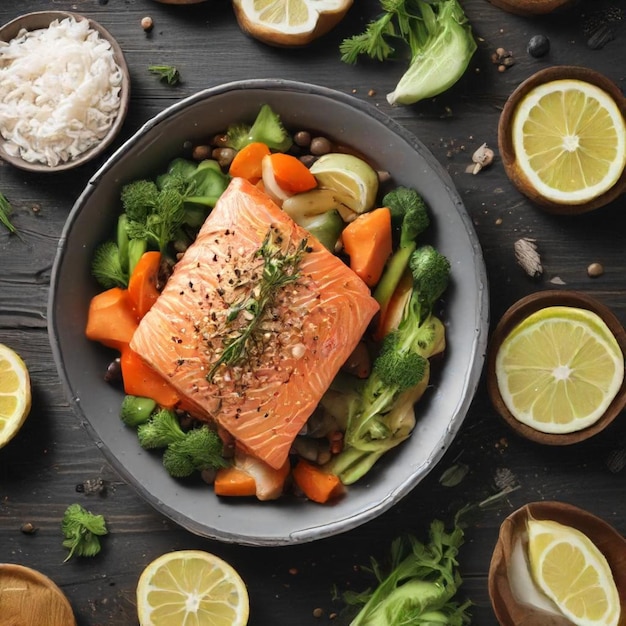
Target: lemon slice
[(191, 587), (353, 181), (289, 22), (569, 138), (568, 567), (559, 369), (15, 394)]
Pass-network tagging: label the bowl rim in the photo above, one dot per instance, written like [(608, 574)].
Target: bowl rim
[(519, 311), (39, 20), (307, 532), (505, 138)]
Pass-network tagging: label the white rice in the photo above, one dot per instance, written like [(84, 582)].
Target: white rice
[(59, 91)]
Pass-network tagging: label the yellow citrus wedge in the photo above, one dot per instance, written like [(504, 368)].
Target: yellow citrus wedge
[(559, 369), (15, 394), (191, 587), (289, 22), (353, 181), (568, 567), (569, 138)]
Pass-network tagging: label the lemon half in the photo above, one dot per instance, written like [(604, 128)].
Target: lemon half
[(569, 138), (15, 394), (568, 567), (191, 587), (559, 369)]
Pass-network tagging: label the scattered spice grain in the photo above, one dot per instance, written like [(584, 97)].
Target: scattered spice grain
[(594, 270)]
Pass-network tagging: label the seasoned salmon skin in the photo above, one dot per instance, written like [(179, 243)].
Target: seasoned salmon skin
[(255, 322)]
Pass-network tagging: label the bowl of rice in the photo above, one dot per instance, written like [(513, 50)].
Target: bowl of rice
[(64, 90)]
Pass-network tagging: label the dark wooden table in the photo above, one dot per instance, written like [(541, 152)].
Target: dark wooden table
[(48, 465)]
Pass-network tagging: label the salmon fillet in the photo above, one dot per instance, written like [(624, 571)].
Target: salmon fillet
[(292, 348)]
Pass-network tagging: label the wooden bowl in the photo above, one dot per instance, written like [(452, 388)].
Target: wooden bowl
[(513, 316), (532, 7), (508, 609), (505, 139), (40, 20), (29, 597)]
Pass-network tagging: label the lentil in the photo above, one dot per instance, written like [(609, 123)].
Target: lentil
[(594, 270), (320, 146)]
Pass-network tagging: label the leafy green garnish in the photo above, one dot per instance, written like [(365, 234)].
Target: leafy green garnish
[(82, 530), (5, 211), (167, 73)]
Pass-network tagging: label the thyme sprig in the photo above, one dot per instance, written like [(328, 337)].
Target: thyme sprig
[(280, 268), (166, 73), (5, 211)]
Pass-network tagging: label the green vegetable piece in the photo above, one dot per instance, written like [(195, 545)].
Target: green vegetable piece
[(160, 430), (106, 266), (438, 36), (82, 530), (267, 128), (136, 410), (139, 199), (5, 211), (420, 585), (166, 73), (326, 228), (136, 248), (200, 449), (122, 241)]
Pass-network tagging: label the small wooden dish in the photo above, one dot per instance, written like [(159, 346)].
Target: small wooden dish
[(532, 7), (511, 612), (40, 20), (505, 139), (520, 311), (29, 597)]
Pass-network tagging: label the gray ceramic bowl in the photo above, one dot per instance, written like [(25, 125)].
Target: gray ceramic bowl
[(41, 20), (81, 364)]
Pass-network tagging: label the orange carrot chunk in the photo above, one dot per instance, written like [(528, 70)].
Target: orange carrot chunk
[(141, 380), (291, 174), (232, 481), (315, 483), (367, 241), (247, 162), (142, 285), (392, 314), (110, 319)]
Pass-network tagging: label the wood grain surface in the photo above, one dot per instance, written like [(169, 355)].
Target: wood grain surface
[(53, 462)]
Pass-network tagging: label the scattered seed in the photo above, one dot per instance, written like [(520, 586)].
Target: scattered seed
[(28, 528), (318, 612), (594, 270), (371, 93), (557, 280), (481, 158), (527, 256), (538, 46), (147, 23)]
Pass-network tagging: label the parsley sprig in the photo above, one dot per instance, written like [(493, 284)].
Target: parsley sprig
[(5, 211), (82, 530), (167, 73)]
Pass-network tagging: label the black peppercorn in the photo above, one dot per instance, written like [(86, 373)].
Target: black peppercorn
[(538, 46)]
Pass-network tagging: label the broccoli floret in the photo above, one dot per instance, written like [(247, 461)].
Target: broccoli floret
[(409, 214), (107, 268), (267, 128), (161, 430), (136, 410), (199, 449), (400, 368), (139, 199)]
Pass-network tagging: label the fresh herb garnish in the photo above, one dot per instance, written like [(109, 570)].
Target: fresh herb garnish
[(167, 73), (280, 268), (82, 530), (5, 211)]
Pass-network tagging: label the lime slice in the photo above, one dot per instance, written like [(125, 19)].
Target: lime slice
[(15, 394), (191, 587), (569, 138), (568, 567), (353, 181), (559, 369)]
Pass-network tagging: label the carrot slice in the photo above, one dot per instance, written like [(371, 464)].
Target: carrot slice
[(392, 314), (232, 481), (291, 174), (110, 319), (141, 380), (367, 241), (142, 285), (315, 483), (247, 162)]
